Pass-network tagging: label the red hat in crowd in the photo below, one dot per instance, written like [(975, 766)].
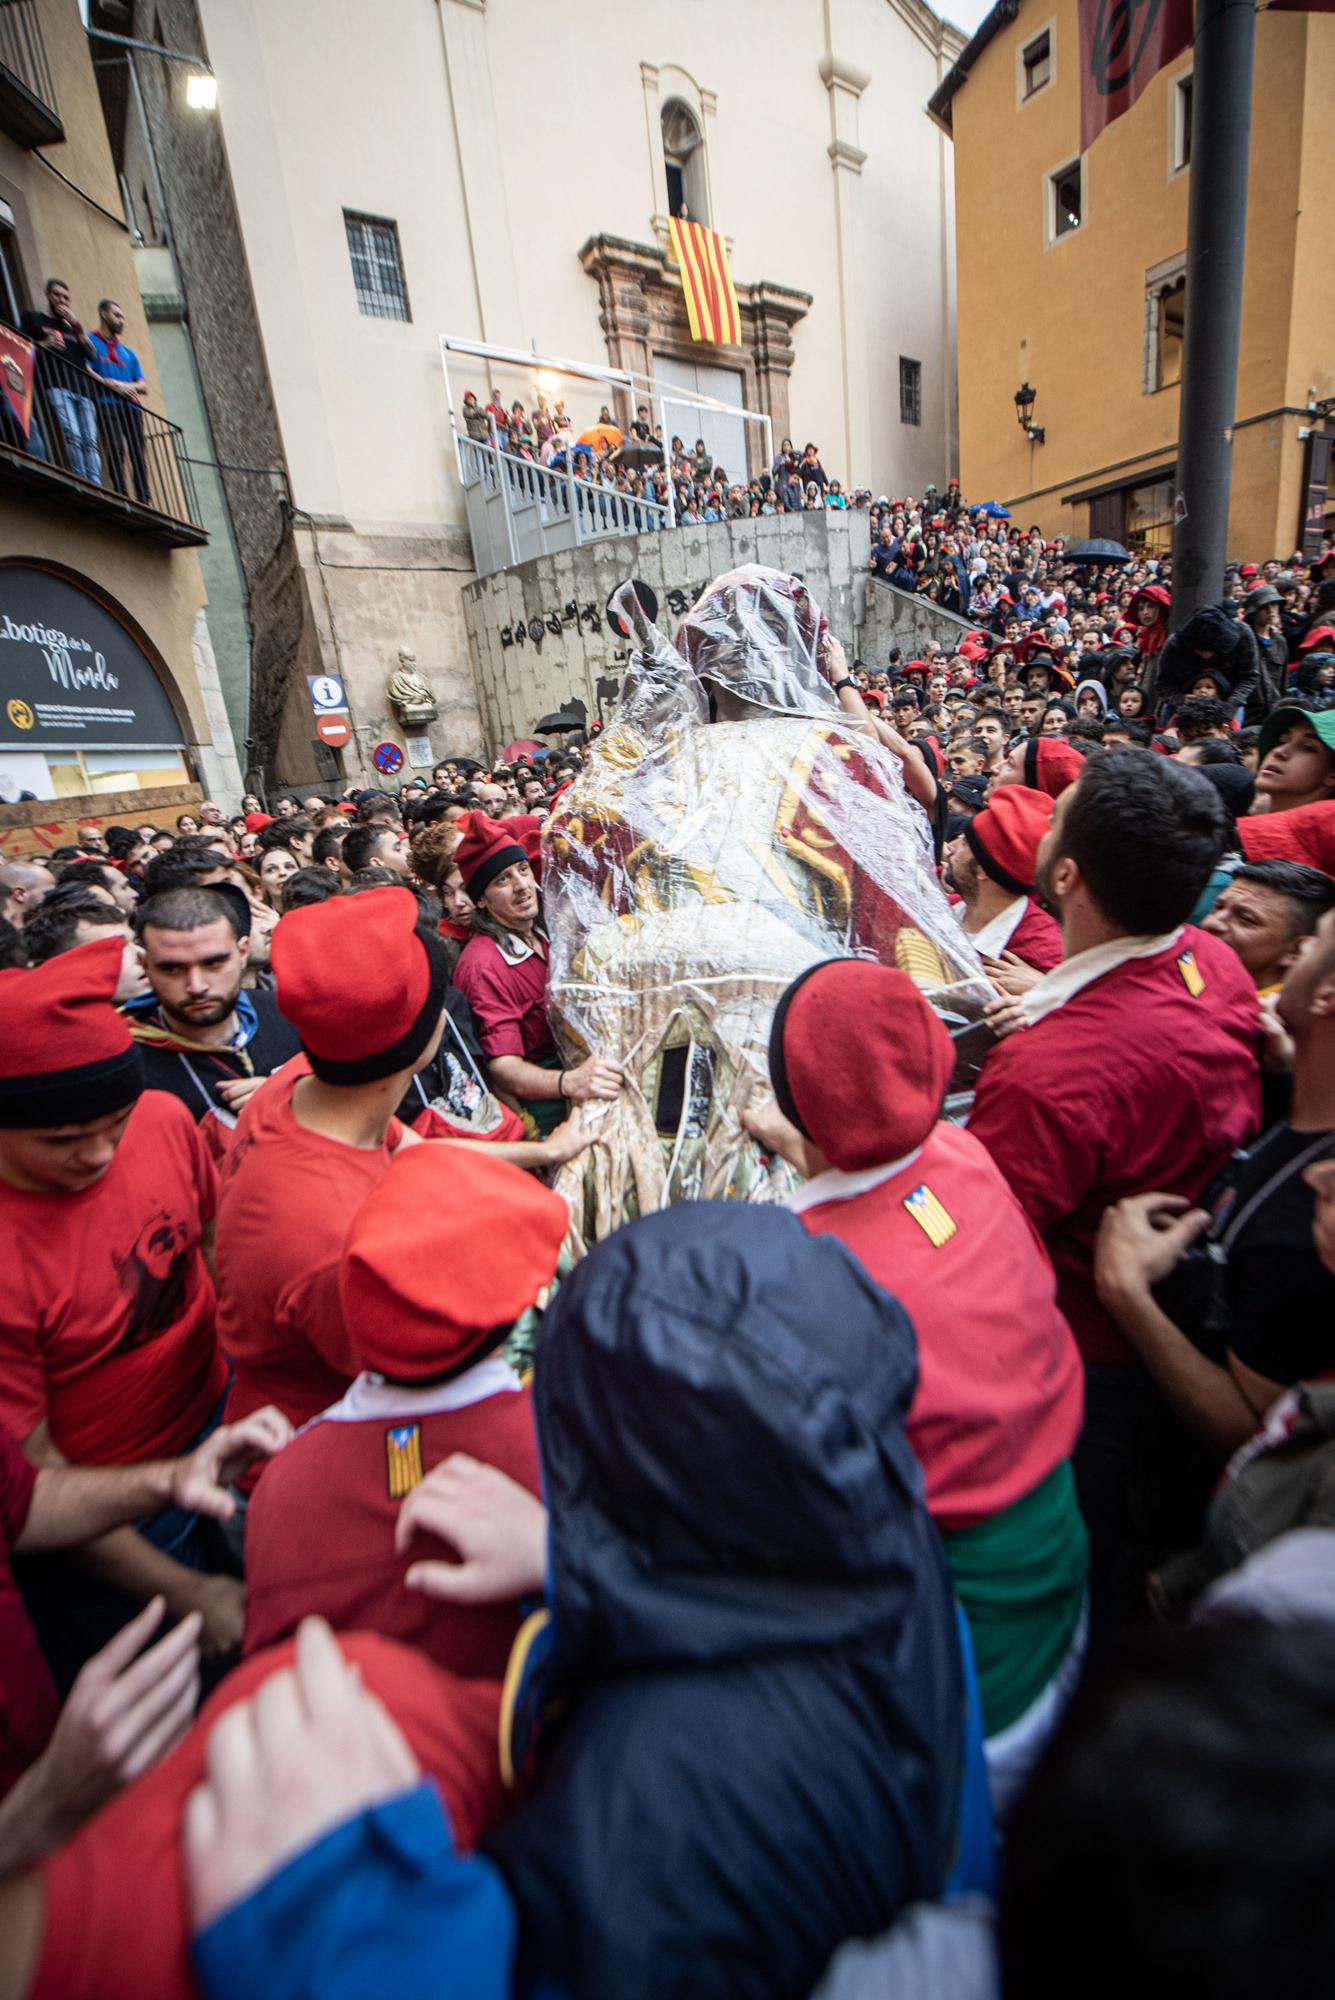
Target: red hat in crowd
[(1051, 765), (493, 1231), (1320, 635), (255, 822), (527, 829), (1004, 837), (1249, 569), (66, 1056), (402, 973), (1307, 833), (867, 1097), (488, 848)]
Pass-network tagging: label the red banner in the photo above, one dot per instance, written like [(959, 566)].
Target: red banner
[(16, 359), (1123, 43)]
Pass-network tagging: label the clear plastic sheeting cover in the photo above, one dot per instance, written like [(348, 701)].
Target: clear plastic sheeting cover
[(731, 827)]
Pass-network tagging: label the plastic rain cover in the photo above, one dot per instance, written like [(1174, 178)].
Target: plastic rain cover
[(697, 865)]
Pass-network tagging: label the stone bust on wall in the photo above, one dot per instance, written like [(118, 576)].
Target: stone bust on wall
[(409, 692)]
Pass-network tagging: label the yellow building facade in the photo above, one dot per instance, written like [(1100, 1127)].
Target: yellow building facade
[(1071, 279)]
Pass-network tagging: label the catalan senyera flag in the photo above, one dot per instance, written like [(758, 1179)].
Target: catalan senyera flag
[(936, 1222), (403, 1459), (711, 301)]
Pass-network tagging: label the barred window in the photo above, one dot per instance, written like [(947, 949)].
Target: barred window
[(377, 266), (910, 391)]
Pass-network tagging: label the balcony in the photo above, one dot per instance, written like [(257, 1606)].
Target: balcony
[(114, 459), (27, 96)]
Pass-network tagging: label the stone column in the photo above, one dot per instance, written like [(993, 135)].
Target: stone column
[(769, 314), (845, 82)]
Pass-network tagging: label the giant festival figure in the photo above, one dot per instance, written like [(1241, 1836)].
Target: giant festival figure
[(733, 826)]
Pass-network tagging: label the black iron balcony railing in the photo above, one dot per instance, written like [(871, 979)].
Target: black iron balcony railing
[(103, 452), (27, 95)]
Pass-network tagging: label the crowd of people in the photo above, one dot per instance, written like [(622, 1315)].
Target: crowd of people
[(88, 386), (646, 464), (922, 1586)]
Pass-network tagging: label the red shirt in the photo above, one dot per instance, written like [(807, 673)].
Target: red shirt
[(1000, 1393), (115, 1920), (334, 1489), (285, 1206), (508, 998), (107, 1310), (1135, 1084), (29, 1703), (1037, 938)]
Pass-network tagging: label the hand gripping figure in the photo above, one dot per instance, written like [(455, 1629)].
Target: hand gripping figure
[(732, 827)]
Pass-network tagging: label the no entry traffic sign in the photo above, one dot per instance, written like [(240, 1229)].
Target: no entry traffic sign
[(333, 730)]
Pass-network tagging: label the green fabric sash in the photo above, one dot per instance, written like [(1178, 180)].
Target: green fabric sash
[(544, 1114), (1021, 1578)]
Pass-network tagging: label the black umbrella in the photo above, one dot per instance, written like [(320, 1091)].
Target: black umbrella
[(1097, 551), (558, 725), (635, 456)]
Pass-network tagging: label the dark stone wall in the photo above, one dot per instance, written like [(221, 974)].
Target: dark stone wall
[(224, 327)]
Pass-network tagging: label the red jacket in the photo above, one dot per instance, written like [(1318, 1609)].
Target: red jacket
[(116, 1917), (320, 1531), (1000, 1395), (1136, 1084), (1037, 939)]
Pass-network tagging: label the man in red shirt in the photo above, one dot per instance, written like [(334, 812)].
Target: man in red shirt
[(502, 971), (1134, 1070), (364, 986), (108, 1351), (440, 1262), (991, 864), (860, 1065)]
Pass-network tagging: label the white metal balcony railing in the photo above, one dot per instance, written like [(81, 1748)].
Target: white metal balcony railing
[(518, 509)]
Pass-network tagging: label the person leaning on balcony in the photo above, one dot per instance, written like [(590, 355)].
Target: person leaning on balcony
[(64, 358), (120, 419)]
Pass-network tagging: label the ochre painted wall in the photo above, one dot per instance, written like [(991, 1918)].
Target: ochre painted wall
[(1069, 315)]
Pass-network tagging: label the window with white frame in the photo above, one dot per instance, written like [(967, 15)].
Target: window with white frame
[(910, 391), (1035, 65), (377, 266), (1066, 200)]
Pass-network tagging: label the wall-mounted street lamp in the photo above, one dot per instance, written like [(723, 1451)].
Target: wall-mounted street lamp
[(201, 86), (1025, 398)]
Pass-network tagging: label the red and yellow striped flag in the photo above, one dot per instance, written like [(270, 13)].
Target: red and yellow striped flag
[(711, 301)]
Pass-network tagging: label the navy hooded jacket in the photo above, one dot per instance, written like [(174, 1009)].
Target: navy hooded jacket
[(752, 1696)]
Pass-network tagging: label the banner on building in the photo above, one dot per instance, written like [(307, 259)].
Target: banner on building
[(16, 361), (1123, 43), (706, 282)]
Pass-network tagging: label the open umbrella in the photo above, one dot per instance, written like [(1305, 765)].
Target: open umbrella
[(1097, 551), (993, 510), (603, 437), (558, 725), (523, 746)]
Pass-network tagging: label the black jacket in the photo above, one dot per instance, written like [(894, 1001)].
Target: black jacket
[(753, 1650), (1235, 654)]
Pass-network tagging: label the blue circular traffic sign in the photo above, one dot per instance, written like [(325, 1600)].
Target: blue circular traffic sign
[(387, 758)]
